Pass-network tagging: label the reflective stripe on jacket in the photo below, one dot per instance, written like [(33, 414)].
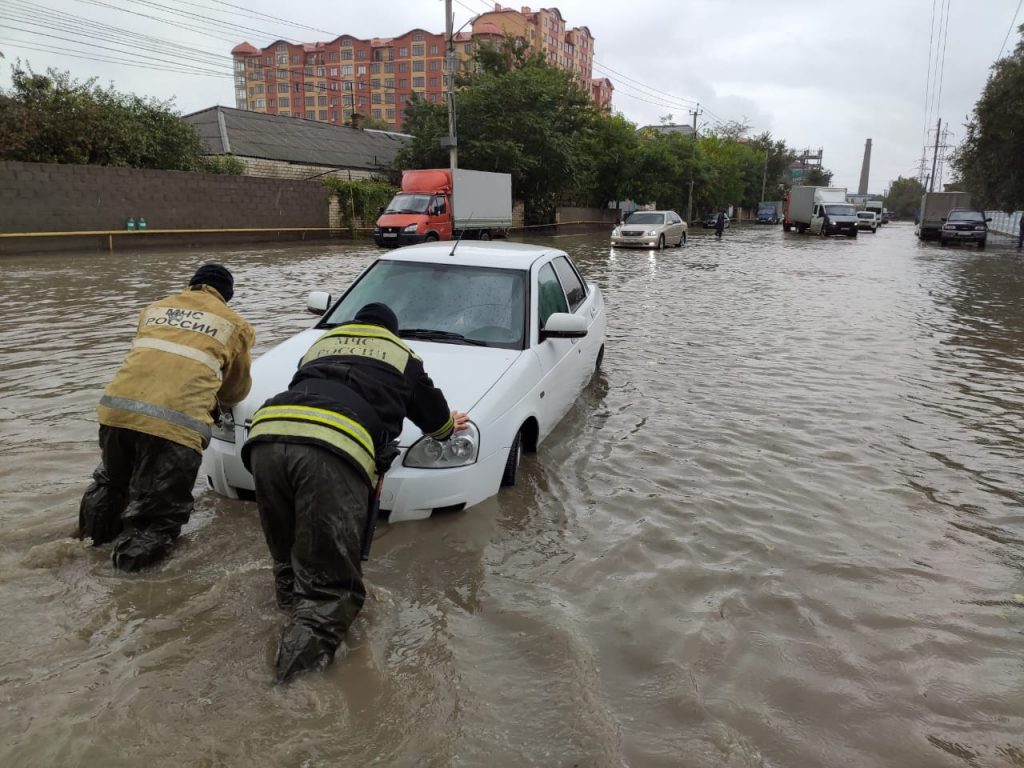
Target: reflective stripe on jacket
[(355, 386), (190, 353)]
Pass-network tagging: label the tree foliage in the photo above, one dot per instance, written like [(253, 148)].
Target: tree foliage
[(52, 118), (362, 199), (990, 161), (904, 196), (818, 177)]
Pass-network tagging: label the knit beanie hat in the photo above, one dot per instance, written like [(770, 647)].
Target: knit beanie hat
[(378, 314), (217, 277)]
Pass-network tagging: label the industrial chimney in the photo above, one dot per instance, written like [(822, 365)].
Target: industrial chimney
[(865, 169)]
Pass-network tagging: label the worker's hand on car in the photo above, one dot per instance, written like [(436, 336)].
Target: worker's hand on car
[(461, 420)]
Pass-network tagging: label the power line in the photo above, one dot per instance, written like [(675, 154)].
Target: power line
[(1012, 23), (112, 60)]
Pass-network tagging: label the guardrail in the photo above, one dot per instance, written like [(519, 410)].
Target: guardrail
[(1006, 223)]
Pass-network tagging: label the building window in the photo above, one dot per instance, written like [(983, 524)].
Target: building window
[(296, 59), (323, 114), (389, 83), (311, 101), (261, 104), (335, 85), (346, 54), (361, 54), (391, 114), (321, 86), (468, 48), (307, 71), (434, 66), (417, 37), (403, 66), (347, 100), (282, 74), (362, 101), (284, 101), (240, 81), (282, 48), (239, 65), (332, 56), (403, 83), (311, 115), (334, 117), (374, 97), (268, 60), (433, 82), (240, 94), (321, 72), (334, 71), (361, 70), (418, 66), (322, 101), (389, 98), (375, 68), (403, 53), (347, 85), (271, 103), (417, 50), (376, 114), (362, 85), (335, 101), (375, 83), (298, 87), (417, 82), (389, 67), (258, 89), (307, 87), (346, 70), (433, 50), (346, 41)]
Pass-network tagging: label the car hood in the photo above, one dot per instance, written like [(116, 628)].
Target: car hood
[(463, 373), (400, 219)]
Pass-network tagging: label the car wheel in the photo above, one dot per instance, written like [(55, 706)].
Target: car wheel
[(515, 453), (661, 243), (430, 237), (822, 233), (942, 242), (485, 235), (981, 244), (600, 359)]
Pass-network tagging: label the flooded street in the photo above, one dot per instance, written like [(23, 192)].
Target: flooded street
[(783, 527)]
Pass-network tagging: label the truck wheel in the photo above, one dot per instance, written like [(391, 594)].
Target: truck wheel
[(786, 227), (515, 453), (485, 235), (822, 233), (430, 237)]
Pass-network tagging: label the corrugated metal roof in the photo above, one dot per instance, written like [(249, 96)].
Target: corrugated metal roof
[(276, 137)]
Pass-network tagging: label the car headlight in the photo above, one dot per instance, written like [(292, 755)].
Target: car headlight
[(224, 427), (948, 226), (979, 228), (460, 450), (651, 232), (616, 232), (410, 228)]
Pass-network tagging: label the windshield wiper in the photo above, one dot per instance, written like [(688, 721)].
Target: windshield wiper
[(433, 335)]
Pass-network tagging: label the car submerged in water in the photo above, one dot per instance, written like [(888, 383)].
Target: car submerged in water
[(511, 333), (650, 229)]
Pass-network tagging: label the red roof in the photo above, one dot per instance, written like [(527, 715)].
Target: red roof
[(244, 49), (487, 28)]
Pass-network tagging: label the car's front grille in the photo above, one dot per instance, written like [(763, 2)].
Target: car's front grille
[(965, 227), (632, 233)]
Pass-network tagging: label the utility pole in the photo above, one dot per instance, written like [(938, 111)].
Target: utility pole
[(450, 140), (935, 156), (764, 176), (689, 201)]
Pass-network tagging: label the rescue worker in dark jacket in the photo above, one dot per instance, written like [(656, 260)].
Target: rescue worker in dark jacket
[(190, 355), (719, 225), (314, 452)]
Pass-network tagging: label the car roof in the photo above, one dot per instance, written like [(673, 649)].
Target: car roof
[(636, 212), (972, 210), (475, 253)]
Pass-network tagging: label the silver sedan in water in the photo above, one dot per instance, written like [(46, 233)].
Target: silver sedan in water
[(650, 229)]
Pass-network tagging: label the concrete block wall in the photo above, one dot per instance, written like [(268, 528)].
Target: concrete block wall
[(279, 169), (42, 197)]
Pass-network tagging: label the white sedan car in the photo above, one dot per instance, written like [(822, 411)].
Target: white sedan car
[(511, 333)]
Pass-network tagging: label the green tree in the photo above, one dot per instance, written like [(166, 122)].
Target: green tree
[(904, 196), (53, 118), (990, 161), (817, 177)]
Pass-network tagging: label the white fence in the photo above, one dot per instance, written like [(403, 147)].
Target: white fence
[(1007, 223)]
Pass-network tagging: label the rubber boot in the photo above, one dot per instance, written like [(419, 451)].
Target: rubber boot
[(284, 586), (135, 549), (99, 514), (302, 649)]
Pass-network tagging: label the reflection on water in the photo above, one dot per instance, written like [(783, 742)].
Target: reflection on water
[(782, 527)]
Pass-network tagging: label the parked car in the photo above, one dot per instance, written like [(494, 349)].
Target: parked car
[(964, 225), (709, 222), (650, 229), (511, 333), (867, 220)]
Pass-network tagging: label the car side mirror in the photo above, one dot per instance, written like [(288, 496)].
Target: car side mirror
[(943, 218), (317, 302), (988, 220), (564, 325)]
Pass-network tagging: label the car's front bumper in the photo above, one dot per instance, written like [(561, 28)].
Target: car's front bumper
[(965, 235), (397, 239), (408, 493), (635, 242), (865, 225)]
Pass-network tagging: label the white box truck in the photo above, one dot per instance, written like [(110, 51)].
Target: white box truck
[(822, 210), (934, 207)]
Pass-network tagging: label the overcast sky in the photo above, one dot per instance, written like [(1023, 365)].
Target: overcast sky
[(819, 73)]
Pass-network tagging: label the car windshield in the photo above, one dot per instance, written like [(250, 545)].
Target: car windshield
[(450, 303), (408, 204), (646, 218), (975, 216), (839, 210)]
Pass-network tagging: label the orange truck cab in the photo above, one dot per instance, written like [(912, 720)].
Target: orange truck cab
[(432, 205)]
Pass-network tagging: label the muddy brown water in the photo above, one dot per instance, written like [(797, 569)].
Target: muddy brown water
[(782, 528)]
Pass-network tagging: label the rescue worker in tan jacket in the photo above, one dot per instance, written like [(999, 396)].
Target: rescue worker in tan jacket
[(191, 355)]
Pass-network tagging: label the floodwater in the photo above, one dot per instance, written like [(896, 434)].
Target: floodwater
[(783, 527)]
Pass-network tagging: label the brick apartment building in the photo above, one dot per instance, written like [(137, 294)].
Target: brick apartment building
[(329, 81)]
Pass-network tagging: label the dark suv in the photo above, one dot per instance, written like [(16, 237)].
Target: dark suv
[(964, 225)]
